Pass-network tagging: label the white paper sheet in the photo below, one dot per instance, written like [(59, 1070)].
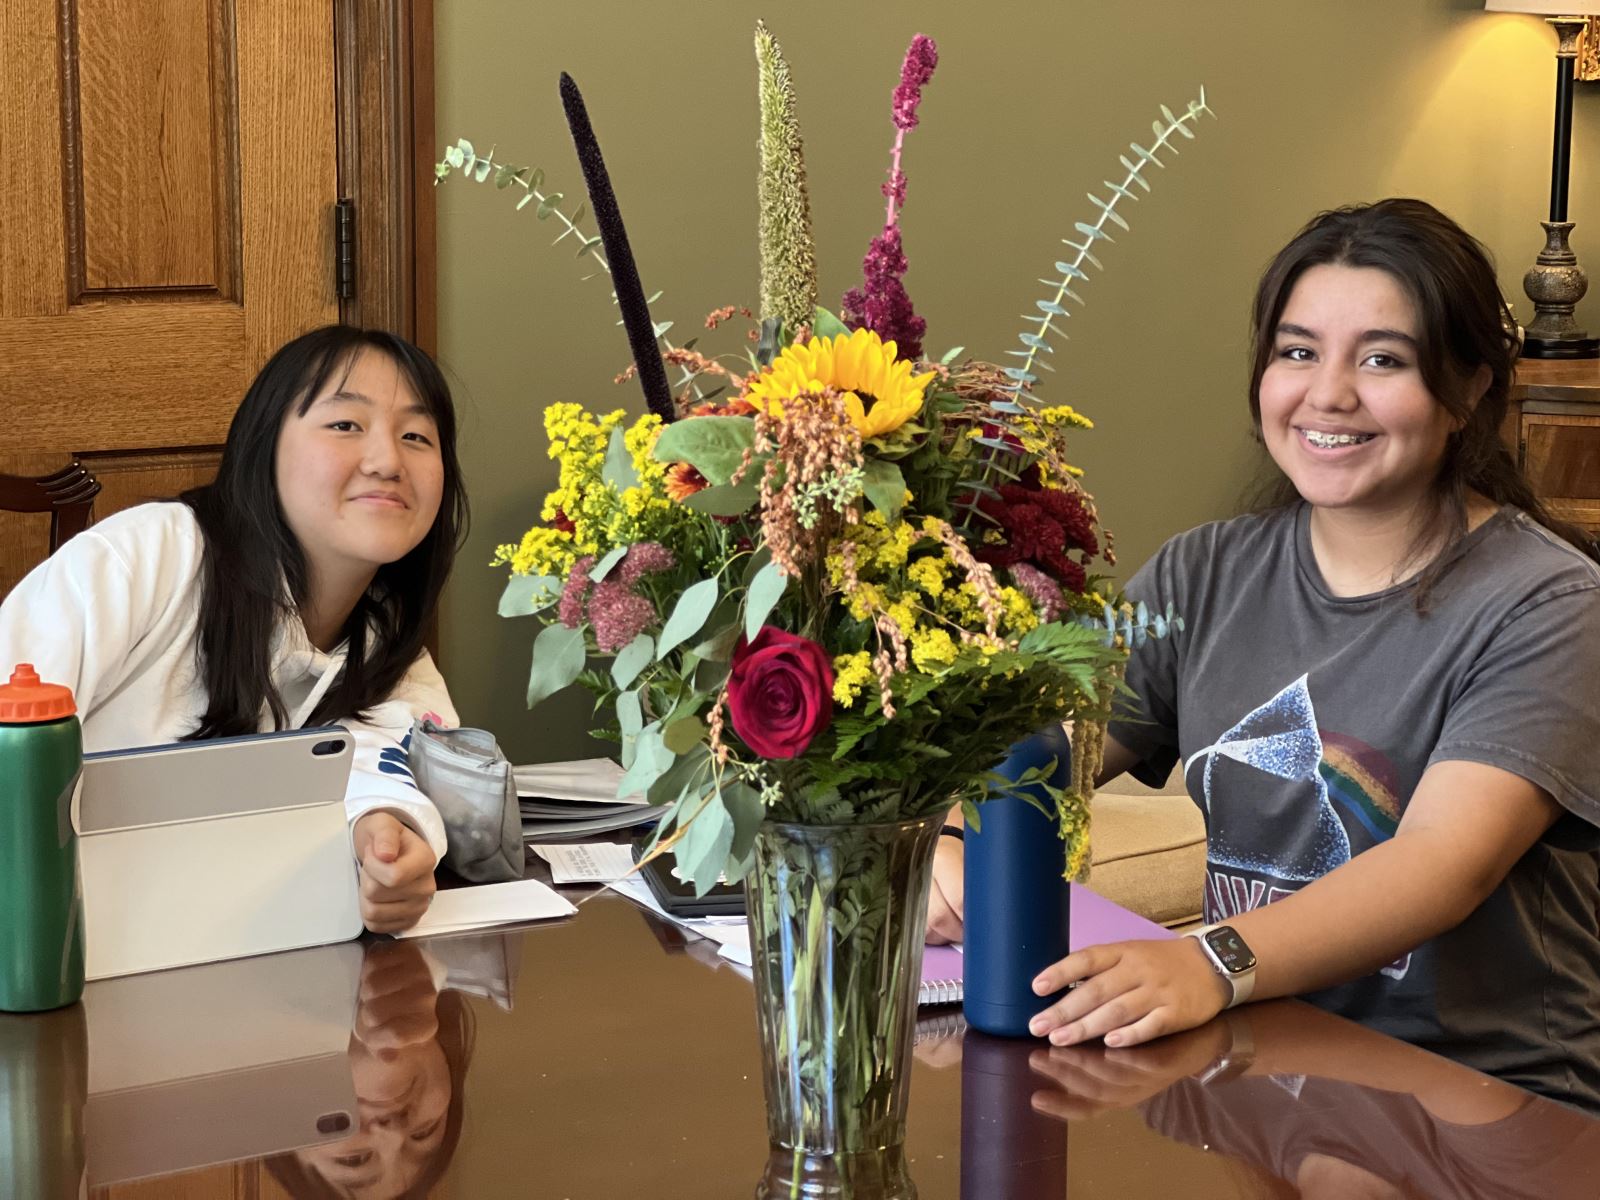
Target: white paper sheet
[(587, 862), (490, 904)]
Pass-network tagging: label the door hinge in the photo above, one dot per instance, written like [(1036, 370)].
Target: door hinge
[(344, 248)]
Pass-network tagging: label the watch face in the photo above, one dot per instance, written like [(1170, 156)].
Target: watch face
[(1230, 950)]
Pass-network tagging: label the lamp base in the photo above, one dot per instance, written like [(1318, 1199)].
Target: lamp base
[(1555, 284), (1565, 348)]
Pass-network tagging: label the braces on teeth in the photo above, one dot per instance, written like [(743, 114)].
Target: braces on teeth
[(1327, 441)]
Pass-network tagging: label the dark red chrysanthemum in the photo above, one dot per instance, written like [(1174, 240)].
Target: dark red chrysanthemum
[(1041, 527)]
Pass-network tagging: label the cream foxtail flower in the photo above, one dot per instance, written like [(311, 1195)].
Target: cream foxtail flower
[(880, 392)]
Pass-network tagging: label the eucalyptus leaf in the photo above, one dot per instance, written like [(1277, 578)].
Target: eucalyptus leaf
[(702, 852), (747, 812), (631, 659), (728, 499), (529, 594), (825, 324), (766, 589), (618, 471), (558, 658), (684, 734), (714, 446), (601, 569), (688, 614), (630, 713), (651, 760), (885, 486)]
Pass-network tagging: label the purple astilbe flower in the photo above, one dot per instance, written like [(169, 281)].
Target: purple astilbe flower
[(1041, 589), (882, 304), (618, 614), (646, 558), (575, 592)]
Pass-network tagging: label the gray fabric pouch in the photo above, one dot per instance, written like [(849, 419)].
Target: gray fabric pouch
[(469, 781)]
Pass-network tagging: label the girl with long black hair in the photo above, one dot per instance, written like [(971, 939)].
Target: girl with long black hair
[(293, 591)]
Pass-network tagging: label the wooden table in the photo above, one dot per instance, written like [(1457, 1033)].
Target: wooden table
[(1555, 425), (603, 1056)]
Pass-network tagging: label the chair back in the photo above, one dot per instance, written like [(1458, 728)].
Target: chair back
[(67, 495)]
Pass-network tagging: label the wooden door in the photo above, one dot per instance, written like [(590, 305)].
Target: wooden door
[(168, 170)]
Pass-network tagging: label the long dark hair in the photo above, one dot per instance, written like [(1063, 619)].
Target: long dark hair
[(1464, 326), (254, 573)]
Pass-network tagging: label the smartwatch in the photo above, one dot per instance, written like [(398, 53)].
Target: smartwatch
[(1232, 958)]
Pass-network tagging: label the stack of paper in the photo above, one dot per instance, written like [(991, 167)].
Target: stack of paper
[(576, 799)]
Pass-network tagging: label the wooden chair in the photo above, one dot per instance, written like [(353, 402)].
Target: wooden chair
[(68, 495)]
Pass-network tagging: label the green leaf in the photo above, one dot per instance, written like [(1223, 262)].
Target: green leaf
[(684, 734), (529, 594), (885, 486), (558, 658), (670, 786), (548, 204), (618, 471), (827, 325), (728, 499), (766, 589), (747, 812), (525, 201), (714, 446), (601, 569), (951, 355), (651, 760), (702, 852), (718, 647), (689, 614), (633, 658), (630, 714)]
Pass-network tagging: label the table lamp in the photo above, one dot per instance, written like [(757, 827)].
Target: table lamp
[(1556, 283)]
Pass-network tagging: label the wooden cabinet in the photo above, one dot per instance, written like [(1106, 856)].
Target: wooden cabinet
[(1555, 419)]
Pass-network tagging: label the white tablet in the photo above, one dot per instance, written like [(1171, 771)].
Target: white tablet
[(202, 851)]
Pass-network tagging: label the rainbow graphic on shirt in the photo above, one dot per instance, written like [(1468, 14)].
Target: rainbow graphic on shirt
[(1361, 783)]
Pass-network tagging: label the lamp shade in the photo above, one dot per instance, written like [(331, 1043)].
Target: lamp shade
[(1547, 8)]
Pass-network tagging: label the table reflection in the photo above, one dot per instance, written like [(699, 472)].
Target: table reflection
[(1309, 1105), (333, 1071), (408, 1059)]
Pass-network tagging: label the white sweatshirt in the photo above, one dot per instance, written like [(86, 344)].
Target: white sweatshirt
[(114, 615)]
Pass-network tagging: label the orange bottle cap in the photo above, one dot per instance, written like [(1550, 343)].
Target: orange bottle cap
[(27, 701)]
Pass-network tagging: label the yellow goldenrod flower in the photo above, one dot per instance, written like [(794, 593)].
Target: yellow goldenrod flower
[(932, 649), (852, 673), (881, 393)]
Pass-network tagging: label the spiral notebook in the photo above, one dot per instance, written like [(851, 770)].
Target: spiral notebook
[(941, 976), (1094, 921)]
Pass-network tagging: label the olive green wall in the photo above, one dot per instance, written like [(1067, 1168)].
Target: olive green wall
[(1318, 103)]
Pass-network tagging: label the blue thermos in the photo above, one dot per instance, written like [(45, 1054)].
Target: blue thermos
[(1017, 902)]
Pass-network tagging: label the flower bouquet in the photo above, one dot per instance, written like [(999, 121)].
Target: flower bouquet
[(817, 591)]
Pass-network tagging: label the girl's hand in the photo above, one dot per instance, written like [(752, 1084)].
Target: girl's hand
[(396, 873), (1130, 992)]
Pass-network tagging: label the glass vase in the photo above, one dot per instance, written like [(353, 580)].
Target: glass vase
[(837, 924)]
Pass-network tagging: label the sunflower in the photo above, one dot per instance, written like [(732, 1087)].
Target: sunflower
[(880, 392)]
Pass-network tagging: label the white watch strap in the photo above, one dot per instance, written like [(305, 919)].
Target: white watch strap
[(1242, 984)]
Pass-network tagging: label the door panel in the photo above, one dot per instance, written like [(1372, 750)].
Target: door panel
[(168, 170)]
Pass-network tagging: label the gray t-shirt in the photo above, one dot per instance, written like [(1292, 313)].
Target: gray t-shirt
[(1305, 720)]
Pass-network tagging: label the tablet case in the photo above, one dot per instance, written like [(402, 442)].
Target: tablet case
[(678, 898), (203, 851)]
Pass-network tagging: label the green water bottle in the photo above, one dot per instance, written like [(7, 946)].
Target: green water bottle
[(41, 898)]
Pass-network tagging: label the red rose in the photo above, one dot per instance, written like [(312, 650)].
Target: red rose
[(780, 692)]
